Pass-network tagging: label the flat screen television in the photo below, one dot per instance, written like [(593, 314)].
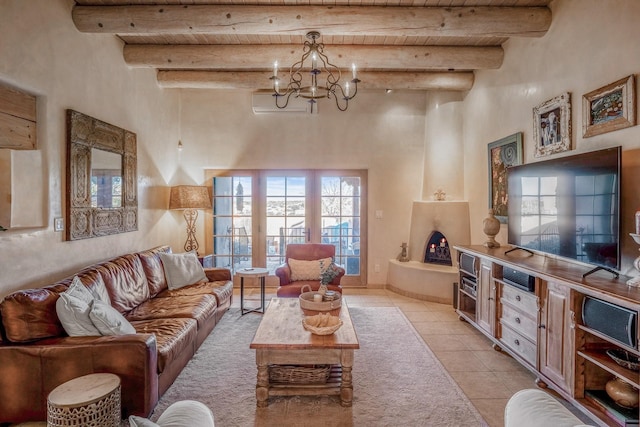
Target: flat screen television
[(568, 207)]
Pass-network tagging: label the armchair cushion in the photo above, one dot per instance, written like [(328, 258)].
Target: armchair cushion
[(307, 270)]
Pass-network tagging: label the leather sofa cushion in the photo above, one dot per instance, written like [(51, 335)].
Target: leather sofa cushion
[(173, 336), (30, 314), (221, 289), (198, 307), (125, 281), (153, 269)]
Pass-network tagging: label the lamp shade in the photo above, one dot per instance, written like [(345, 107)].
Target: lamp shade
[(189, 197)]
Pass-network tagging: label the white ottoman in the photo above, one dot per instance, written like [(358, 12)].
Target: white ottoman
[(536, 408)]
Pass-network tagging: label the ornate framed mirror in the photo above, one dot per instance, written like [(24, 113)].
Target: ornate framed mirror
[(102, 194)]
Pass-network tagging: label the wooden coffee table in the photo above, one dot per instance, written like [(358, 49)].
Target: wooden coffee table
[(282, 340)]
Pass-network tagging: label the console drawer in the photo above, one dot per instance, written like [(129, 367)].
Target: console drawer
[(523, 301), (519, 322), (519, 344)]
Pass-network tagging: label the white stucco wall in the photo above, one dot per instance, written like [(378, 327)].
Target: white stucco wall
[(42, 53), (382, 133), (590, 44)]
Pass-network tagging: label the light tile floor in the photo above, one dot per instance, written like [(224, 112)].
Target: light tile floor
[(488, 377)]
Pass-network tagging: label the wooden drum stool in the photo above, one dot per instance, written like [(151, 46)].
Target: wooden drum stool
[(92, 400)]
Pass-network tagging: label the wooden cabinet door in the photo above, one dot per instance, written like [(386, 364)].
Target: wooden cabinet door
[(555, 348), (486, 298)]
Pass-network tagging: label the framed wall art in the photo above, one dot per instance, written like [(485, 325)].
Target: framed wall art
[(502, 153), (552, 126), (609, 108)]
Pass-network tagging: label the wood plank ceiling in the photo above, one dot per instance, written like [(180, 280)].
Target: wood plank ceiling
[(396, 44)]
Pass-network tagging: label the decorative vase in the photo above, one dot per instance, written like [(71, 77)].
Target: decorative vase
[(491, 227), (623, 393), (404, 257)]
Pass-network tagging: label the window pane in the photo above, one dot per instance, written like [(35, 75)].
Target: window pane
[(232, 219)]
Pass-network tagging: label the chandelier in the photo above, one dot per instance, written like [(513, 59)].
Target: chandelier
[(320, 64)]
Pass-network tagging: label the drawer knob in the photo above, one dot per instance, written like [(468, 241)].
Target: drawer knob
[(516, 342), (542, 326), (517, 320), (518, 298)]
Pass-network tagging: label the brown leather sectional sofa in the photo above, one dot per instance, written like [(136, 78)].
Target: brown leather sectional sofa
[(36, 355)]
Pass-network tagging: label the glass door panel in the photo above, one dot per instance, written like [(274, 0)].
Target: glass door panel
[(232, 222), (286, 219), (340, 213)]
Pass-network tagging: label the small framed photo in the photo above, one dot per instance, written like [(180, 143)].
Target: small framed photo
[(502, 153), (552, 126), (609, 108)]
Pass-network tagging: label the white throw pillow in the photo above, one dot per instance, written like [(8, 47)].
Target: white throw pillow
[(108, 320), (180, 414), (79, 290), (74, 316), (135, 421), (307, 270), (187, 413), (182, 269)]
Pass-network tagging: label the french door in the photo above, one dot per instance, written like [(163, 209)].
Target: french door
[(256, 214)]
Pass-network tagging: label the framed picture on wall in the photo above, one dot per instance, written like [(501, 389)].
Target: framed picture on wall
[(552, 126), (502, 153), (609, 108)]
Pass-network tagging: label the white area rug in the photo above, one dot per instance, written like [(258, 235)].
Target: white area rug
[(397, 379)]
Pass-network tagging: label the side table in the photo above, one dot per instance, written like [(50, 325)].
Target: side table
[(90, 400), (260, 273)]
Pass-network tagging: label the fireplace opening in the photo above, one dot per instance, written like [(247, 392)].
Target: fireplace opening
[(437, 250)]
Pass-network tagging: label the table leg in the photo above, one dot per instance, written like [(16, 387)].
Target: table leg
[(262, 382), (242, 296), (346, 383), (262, 291)]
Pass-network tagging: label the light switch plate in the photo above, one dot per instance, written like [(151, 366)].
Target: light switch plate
[(58, 224)]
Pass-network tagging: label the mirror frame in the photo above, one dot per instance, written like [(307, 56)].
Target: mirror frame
[(83, 134)]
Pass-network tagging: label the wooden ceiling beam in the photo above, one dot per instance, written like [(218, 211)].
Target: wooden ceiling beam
[(261, 57), (329, 20), (255, 80)]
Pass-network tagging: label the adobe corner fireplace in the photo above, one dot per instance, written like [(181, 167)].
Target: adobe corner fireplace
[(437, 249)]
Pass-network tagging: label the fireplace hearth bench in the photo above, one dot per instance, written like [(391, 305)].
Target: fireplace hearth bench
[(36, 354)]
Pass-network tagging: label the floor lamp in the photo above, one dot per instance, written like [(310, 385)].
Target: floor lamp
[(190, 198)]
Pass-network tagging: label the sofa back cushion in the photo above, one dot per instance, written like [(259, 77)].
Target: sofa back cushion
[(30, 314), (153, 269), (125, 281), (310, 251)]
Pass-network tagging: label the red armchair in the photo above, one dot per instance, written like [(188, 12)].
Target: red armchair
[(289, 286)]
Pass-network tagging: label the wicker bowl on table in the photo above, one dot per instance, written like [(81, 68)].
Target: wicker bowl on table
[(310, 307), (322, 324)]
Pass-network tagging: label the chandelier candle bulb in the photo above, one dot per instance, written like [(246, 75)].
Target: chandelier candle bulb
[(346, 89), (275, 69), (353, 71)]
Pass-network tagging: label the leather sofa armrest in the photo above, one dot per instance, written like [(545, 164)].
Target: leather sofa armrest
[(217, 274), (29, 372), (284, 273)]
